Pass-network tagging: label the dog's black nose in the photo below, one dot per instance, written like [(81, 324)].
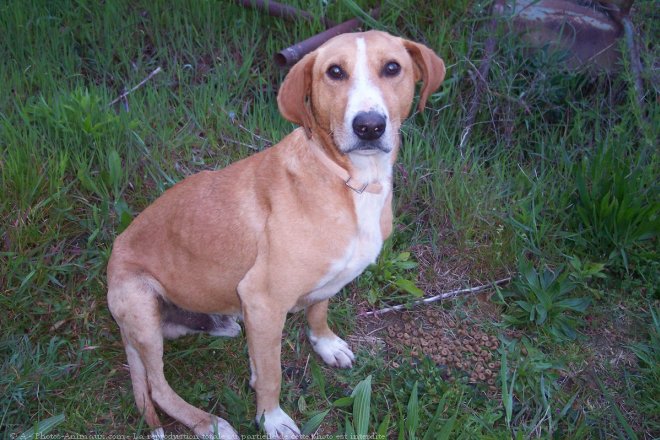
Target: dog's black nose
[(369, 126)]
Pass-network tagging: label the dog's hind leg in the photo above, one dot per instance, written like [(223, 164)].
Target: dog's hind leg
[(135, 306), (141, 390)]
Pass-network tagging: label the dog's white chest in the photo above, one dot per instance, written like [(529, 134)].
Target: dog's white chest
[(361, 251)]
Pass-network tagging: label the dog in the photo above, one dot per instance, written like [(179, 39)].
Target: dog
[(280, 231)]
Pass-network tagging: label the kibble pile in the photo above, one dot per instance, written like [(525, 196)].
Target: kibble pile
[(465, 352)]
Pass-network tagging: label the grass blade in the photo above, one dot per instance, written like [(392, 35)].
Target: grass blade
[(314, 422), (41, 428), (507, 395), (448, 427), (383, 427), (319, 379), (412, 419), (432, 429), (362, 406)]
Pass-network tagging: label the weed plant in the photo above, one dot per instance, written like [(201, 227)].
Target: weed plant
[(618, 209), (544, 299)]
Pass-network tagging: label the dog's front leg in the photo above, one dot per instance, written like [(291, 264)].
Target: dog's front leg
[(333, 350), (263, 326)]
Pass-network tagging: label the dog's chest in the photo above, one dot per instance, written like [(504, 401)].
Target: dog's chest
[(362, 250)]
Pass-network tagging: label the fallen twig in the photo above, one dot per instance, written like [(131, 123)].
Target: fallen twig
[(234, 141), (635, 61), (140, 84), (482, 75), (445, 295)]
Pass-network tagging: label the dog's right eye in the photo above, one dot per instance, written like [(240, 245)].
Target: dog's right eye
[(336, 72)]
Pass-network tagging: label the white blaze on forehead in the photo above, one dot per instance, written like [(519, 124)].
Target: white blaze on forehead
[(364, 95)]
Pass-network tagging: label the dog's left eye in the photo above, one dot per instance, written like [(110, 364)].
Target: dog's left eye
[(336, 72), (391, 69)]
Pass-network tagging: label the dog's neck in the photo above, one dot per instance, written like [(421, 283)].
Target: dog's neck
[(375, 167), (360, 172)]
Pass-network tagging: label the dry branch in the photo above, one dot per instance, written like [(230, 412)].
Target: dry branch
[(439, 297), (635, 61), (481, 75), (140, 84)]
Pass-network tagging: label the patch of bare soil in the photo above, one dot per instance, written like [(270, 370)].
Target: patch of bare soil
[(451, 268)]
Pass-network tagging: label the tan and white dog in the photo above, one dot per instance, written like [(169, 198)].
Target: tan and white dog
[(280, 231)]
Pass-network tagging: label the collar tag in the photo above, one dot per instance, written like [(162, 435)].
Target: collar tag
[(359, 188)]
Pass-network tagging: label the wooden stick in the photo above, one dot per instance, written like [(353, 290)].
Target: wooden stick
[(635, 62), (481, 75), (441, 296), (140, 84)]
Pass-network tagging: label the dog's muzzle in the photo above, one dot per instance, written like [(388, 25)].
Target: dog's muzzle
[(369, 127)]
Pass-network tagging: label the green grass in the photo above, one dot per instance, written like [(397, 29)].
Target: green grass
[(561, 171)]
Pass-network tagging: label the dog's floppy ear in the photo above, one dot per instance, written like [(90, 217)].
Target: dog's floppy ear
[(294, 97), (429, 68)]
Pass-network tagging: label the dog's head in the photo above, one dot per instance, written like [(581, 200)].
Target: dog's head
[(357, 88)]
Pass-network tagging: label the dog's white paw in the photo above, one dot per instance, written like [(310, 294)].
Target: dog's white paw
[(158, 434), (218, 429), (333, 350), (278, 425)]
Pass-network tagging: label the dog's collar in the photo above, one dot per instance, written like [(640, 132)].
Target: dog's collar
[(358, 187)]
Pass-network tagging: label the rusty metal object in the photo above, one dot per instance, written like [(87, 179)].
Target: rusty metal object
[(589, 35), (292, 54), (289, 56)]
